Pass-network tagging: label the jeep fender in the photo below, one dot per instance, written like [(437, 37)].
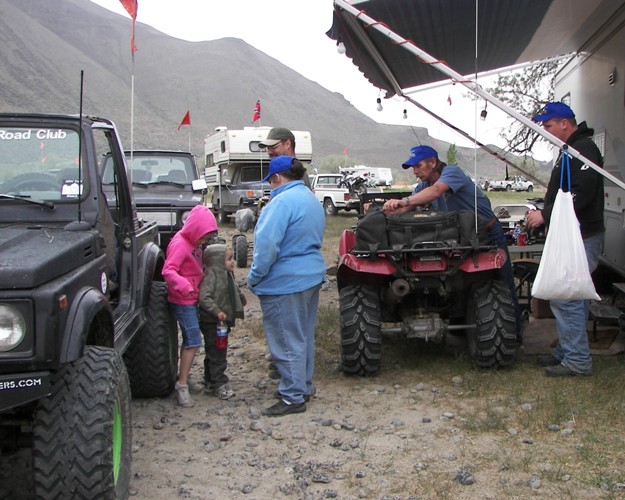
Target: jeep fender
[(87, 304), (151, 261)]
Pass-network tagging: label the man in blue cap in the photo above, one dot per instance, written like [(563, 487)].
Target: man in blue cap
[(447, 188), (572, 355)]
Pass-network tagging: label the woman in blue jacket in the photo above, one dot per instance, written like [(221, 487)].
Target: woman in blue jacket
[(286, 274)]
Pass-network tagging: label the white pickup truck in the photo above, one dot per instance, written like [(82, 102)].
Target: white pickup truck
[(332, 197), (516, 183)]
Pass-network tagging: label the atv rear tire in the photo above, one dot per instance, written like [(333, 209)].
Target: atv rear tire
[(492, 343), (361, 342), (152, 358), (240, 246), (82, 432)]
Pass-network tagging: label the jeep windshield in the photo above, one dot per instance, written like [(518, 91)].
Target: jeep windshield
[(149, 169), (39, 164)]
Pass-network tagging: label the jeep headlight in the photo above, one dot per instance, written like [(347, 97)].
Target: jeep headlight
[(12, 328)]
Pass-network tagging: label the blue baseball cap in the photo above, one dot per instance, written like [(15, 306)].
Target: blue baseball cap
[(279, 164), (419, 153), (554, 110)]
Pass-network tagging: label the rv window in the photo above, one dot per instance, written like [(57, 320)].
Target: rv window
[(254, 148), (223, 146)]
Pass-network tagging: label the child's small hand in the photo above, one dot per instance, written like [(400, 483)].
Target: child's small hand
[(222, 316)]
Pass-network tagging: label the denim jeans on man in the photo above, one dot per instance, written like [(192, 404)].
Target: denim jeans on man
[(289, 322), (571, 316)]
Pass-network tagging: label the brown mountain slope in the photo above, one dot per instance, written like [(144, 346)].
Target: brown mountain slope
[(46, 45)]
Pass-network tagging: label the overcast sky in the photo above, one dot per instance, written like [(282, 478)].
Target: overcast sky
[(293, 32)]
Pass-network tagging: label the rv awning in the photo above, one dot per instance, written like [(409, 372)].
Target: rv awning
[(509, 32)]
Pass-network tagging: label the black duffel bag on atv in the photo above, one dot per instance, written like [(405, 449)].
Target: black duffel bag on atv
[(377, 231)]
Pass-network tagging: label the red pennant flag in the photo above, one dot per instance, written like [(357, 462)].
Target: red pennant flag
[(345, 150), (186, 120), (131, 7), (449, 99), (256, 115)]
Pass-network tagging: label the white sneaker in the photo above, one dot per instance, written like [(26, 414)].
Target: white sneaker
[(224, 392), (182, 394)]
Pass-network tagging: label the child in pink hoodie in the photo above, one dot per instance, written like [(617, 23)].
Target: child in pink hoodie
[(183, 273)]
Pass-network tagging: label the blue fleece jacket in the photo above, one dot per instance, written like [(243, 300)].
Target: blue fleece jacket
[(287, 242)]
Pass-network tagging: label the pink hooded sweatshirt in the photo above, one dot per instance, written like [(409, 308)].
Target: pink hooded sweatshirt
[(183, 266)]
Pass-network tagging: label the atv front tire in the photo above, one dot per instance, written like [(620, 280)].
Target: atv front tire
[(82, 432), (361, 342), (152, 358), (492, 343)]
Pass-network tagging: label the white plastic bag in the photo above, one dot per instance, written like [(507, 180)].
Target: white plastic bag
[(563, 272)]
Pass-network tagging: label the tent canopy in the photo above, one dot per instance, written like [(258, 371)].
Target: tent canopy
[(508, 32)]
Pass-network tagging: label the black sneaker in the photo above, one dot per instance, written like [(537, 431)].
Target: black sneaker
[(547, 360), (277, 395), (564, 371), (281, 408)]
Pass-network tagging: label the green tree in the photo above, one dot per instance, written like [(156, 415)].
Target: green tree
[(525, 91), (452, 155)]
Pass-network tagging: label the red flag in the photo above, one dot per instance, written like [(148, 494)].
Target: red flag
[(345, 150), (449, 99), (131, 7), (256, 115), (186, 120)]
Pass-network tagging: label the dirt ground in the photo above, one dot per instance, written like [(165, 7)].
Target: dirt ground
[(395, 436)]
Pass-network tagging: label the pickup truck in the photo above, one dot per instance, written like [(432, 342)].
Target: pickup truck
[(332, 197), (516, 183), (166, 186), (83, 306)]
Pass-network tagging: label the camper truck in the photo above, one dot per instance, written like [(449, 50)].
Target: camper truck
[(236, 165)]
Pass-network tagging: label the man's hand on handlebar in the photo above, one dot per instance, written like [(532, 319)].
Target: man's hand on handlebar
[(396, 206)]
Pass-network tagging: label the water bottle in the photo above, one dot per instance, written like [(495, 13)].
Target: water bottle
[(221, 341)]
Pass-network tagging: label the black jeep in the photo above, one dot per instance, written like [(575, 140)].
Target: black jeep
[(84, 320)]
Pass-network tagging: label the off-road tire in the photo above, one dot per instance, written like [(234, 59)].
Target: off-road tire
[(240, 248), (492, 343), (329, 207), (508, 187), (82, 432), (530, 189), (152, 358), (361, 341)]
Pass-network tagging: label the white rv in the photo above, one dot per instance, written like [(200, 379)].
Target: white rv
[(235, 166)]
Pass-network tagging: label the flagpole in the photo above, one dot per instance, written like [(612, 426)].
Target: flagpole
[(189, 138)]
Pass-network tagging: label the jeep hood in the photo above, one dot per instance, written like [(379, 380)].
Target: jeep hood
[(33, 255)]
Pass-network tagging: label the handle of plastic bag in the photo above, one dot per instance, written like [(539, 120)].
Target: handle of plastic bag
[(565, 163)]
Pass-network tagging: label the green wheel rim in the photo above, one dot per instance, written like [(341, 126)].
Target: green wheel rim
[(117, 441)]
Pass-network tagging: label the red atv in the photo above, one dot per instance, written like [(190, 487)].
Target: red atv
[(424, 275)]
